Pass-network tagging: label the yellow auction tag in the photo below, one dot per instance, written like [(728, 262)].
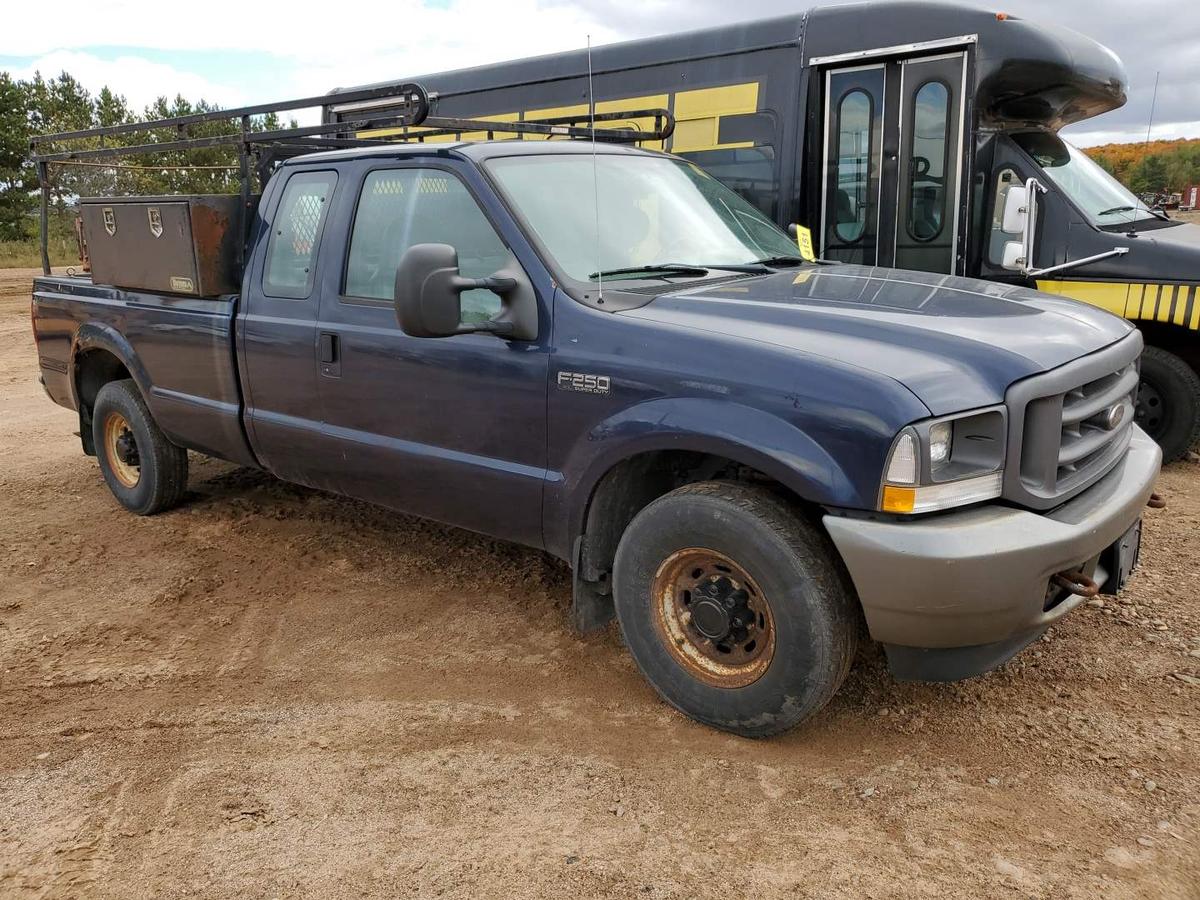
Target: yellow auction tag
[(805, 243)]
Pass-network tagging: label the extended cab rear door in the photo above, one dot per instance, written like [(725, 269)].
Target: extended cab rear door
[(277, 329), (454, 428)]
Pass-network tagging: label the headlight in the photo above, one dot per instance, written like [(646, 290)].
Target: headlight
[(941, 435), (940, 463)]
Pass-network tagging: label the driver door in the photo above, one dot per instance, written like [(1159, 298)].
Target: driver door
[(454, 428), (893, 161)]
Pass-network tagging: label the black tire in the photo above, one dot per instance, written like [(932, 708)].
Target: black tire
[(1168, 405), (160, 467), (791, 563)]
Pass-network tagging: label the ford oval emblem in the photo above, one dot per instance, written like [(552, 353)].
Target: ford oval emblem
[(1114, 417)]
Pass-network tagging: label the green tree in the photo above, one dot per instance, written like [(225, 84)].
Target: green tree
[(15, 200), (1149, 175)]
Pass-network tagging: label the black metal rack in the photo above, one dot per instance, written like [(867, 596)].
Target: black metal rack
[(409, 106)]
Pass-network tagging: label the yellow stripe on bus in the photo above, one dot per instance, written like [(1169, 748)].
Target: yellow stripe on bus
[(1113, 296), (698, 115), (1133, 300)]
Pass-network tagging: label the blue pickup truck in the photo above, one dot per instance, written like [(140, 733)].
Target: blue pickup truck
[(603, 352)]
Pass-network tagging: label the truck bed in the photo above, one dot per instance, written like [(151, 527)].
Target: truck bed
[(178, 349)]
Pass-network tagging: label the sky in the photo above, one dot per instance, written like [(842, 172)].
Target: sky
[(234, 52)]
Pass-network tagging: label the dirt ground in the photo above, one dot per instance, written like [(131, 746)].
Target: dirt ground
[(273, 692)]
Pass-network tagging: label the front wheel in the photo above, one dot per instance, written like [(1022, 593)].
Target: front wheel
[(144, 470), (734, 608), (1168, 406)]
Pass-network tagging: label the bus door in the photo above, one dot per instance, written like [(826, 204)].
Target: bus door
[(892, 162)]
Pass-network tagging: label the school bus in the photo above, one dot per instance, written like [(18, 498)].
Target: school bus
[(912, 135)]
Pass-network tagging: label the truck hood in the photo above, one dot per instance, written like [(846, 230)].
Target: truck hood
[(956, 343)]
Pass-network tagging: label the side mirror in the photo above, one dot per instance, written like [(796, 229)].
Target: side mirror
[(1020, 220), (1014, 256), (428, 293), (1016, 212)]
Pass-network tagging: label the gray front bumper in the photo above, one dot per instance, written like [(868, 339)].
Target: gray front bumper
[(979, 576)]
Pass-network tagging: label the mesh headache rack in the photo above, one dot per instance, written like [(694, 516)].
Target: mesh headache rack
[(408, 108)]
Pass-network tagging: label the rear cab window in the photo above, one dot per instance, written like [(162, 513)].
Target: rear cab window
[(296, 234)]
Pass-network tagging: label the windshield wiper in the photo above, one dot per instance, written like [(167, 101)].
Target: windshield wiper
[(1158, 214), (755, 267), (655, 269), (780, 261)]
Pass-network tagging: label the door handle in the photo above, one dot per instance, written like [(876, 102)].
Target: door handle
[(327, 347), (329, 355)]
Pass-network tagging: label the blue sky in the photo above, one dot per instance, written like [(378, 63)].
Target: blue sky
[(232, 52)]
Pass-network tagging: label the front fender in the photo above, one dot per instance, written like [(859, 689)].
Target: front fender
[(750, 436)]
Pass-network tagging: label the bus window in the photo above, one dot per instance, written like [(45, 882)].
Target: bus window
[(853, 165), (748, 171), (927, 162), (852, 156)]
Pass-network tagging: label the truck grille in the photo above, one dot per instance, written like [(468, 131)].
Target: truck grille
[(1071, 425)]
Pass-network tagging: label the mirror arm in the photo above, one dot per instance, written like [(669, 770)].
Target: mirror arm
[(497, 284), (1033, 187), (1115, 251)]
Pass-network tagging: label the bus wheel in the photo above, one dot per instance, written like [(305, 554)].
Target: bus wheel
[(1168, 406)]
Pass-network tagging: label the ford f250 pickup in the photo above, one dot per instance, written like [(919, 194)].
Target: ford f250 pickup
[(603, 352)]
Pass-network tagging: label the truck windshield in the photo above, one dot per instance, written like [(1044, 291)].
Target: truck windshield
[(1099, 196), (658, 217)]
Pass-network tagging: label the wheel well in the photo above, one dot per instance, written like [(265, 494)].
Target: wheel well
[(93, 370), (631, 486), (1174, 339)]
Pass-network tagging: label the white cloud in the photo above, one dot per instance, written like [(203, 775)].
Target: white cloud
[(413, 35), (308, 49), (141, 81)]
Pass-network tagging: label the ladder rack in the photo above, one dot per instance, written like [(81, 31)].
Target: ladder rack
[(408, 106)]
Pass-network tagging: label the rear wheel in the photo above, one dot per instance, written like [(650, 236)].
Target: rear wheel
[(734, 608), (1168, 406), (144, 470)]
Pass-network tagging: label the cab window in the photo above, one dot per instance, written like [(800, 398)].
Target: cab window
[(402, 207), (296, 233)]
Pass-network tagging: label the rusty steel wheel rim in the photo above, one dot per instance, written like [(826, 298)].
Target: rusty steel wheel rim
[(713, 618), (121, 450)]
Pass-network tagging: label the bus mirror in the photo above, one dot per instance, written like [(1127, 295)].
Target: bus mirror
[(1020, 221), (1016, 211), (1014, 256)]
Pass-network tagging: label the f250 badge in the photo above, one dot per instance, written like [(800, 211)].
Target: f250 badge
[(584, 383)]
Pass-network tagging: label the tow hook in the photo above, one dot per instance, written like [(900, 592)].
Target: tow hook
[(1156, 501), (1076, 583)]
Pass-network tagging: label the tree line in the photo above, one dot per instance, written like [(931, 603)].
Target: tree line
[(1151, 167), (42, 105)]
